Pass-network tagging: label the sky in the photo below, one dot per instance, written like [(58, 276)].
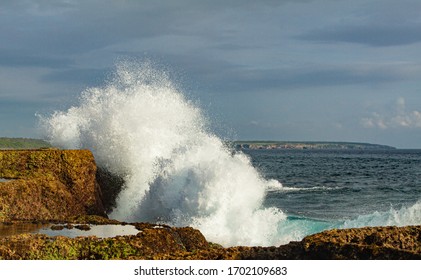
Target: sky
[(322, 70)]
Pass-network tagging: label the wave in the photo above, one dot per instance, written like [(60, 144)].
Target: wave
[(406, 215), (295, 228), (141, 127), (276, 186)]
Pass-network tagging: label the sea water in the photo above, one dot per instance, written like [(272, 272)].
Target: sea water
[(323, 189), (141, 127)]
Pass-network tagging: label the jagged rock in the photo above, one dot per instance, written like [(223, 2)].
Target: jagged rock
[(365, 243), (111, 185), (389, 243), (151, 243), (48, 184), (167, 243)]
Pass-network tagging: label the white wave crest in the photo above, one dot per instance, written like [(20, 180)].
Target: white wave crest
[(141, 127), (406, 215)]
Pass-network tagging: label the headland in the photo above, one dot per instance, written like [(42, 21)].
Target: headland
[(307, 145)]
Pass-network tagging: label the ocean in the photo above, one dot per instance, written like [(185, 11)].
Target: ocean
[(141, 127), (324, 189)]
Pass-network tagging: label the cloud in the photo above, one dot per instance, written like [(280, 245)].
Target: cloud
[(400, 118), (88, 77), (372, 35), (378, 23), (237, 79), (22, 59)]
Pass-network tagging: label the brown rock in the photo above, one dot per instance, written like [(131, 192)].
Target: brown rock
[(365, 243), (48, 185), (164, 242)]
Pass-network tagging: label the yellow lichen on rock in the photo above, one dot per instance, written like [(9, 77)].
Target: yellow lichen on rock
[(48, 184)]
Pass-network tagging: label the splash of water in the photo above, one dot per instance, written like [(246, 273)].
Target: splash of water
[(142, 128), (296, 228), (406, 215)]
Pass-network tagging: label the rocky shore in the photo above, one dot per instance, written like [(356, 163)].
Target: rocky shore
[(50, 184), (57, 187)]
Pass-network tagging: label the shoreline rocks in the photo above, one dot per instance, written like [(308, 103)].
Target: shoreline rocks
[(368, 243), (61, 186), (48, 184), (161, 242)]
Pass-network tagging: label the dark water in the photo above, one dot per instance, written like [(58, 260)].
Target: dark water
[(356, 186)]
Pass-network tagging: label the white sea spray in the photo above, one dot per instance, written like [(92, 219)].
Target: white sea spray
[(142, 128), (404, 216)]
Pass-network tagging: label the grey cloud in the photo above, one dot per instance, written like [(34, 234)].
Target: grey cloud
[(273, 79), (222, 76), (372, 23), (86, 77), (74, 27), (22, 59), (372, 35), (86, 27)]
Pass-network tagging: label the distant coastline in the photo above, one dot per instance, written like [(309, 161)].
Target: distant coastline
[(7, 143), (303, 145), (30, 143)]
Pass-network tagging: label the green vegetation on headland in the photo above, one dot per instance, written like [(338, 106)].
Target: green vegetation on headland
[(28, 143), (302, 145), (22, 143)]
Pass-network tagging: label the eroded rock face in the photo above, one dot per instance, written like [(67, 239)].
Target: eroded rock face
[(48, 185)]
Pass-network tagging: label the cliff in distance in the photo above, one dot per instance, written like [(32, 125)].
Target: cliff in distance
[(307, 145)]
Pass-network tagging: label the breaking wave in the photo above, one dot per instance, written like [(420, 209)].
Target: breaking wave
[(141, 127)]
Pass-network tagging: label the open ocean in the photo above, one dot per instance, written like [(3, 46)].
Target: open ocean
[(324, 189)]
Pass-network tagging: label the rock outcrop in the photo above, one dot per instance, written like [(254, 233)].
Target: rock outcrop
[(369, 243), (161, 242), (48, 184), (152, 242), (365, 243)]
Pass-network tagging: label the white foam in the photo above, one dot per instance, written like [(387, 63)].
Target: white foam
[(406, 215), (274, 185), (141, 127)]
